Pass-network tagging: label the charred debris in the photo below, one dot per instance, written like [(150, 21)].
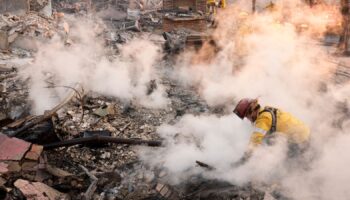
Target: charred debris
[(82, 148)]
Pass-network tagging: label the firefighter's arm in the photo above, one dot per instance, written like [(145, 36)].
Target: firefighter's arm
[(262, 125), (255, 140)]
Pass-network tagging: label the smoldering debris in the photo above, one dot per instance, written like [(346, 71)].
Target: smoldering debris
[(94, 107)]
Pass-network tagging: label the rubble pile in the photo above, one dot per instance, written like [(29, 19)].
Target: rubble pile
[(66, 171), (83, 6), (118, 173), (60, 172), (13, 93), (38, 5), (85, 147), (70, 6), (116, 167), (22, 159), (25, 31)]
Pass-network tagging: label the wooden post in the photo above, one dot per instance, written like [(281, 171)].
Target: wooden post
[(88, 6), (344, 38), (253, 6), (310, 3)]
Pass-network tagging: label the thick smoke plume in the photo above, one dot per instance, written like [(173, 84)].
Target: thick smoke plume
[(126, 76), (277, 56)]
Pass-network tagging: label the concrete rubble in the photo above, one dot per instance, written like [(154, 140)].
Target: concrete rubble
[(26, 31), (37, 190), (105, 171)]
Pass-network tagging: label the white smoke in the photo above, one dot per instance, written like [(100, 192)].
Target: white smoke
[(265, 55), (85, 62), (198, 138)]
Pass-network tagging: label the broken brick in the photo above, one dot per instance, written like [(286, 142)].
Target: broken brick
[(3, 168), (34, 152), (12, 148), (37, 190)]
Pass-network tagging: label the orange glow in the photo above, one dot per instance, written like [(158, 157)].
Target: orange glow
[(236, 25)]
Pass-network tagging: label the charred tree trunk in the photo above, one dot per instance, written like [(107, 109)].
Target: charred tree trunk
[(344, 38)]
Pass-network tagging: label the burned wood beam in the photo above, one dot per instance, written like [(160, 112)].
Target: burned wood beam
[(204, 165), (253, 6), (344, 38), (97, 140)]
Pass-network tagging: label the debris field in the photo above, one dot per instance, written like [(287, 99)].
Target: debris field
[(85, 143)]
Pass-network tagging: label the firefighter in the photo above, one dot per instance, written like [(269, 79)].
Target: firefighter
[(270, 122), (212, 5)]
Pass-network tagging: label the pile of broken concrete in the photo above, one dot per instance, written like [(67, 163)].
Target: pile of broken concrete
[(22, 168)]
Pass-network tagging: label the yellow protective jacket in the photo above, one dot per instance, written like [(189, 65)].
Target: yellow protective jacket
[(286, 124), (222, 3)]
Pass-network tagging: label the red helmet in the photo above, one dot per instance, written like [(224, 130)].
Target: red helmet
[(242, 107)]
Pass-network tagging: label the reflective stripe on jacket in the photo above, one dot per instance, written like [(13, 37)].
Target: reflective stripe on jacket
[(287, 125)]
